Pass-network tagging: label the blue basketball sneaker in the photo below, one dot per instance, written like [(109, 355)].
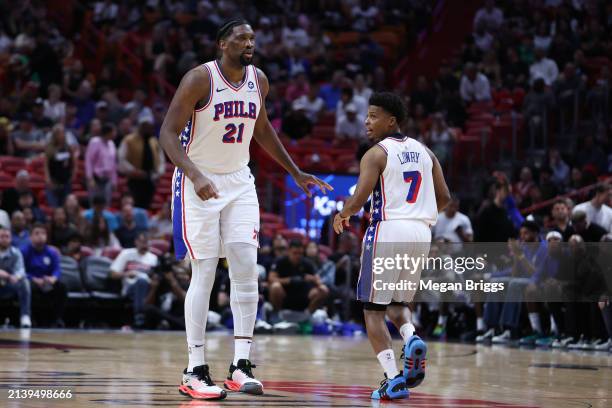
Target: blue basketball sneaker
[(414, 355), (391, 388)]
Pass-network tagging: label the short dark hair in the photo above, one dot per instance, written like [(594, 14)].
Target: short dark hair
[(531, 226), (226, 29), (391, 103), (39, 225), (296, 243), (107, 128), (602, 188), (561, 201)]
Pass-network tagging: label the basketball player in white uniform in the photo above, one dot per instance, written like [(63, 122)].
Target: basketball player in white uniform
[(407, 189), (216, 111)]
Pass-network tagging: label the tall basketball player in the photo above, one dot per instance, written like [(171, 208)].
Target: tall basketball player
[(407, 189), (216, 111)]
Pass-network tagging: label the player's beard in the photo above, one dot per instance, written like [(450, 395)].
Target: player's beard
[(244, 61)]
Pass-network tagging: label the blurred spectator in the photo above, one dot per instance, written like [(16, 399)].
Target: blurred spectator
[(39, 119), (43, 269), (60, 167), (560, 218), (483, 38), (330, 92), (474, 85), (293, 35), (98, 207), (592, 154), (167, 309), (560, 169), (490, 16), (514, 70), (365, 16), (537, 107), (542, 38), (453, 226), (544, 68), (297, 87), (26, 201), (13, 281), (296, 124), (128, 230), (161, 223), (84, 103), (20, 234), (99, 237), (548, 189), (521, 188), (29, 141), (588, 231), (101, 164), (137, 108), (142, 160), (493, 223), (492, 69), (141, 217), (74, 214), (311, 104), (440, 138), (60, 230), (105, 11), (7, 147), (347, 97), (350, 127), (597, 210), (134, 267), (294, 284), (361, 88), (5, 219), (54, 107), (422, 94)]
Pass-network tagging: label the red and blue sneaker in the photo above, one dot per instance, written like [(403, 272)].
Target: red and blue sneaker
[(415, 357), (391, 389)]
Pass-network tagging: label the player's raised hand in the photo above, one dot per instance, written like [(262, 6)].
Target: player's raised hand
[(340, 222), (204, 188), (305, 180)]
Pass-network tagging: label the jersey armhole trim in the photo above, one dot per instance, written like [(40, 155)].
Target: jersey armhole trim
[(257, 85), (210, 94), (383, 148)]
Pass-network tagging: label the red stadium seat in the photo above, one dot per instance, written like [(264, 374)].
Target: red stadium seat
[(290, 235), (271, 218), (111, 252)]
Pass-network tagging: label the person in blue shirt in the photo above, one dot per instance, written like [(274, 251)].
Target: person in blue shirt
[(20, 234), (13, 282), (98, 206), (43, 270), (141, 217)]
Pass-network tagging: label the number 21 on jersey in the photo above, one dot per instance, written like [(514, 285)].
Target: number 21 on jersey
[(414, 178), (228, 137)]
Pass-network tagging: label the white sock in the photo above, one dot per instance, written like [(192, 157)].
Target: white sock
[(442, 320), (406, 331), (480, 324), (553, 326), (386, 358), (534, 319), (242, 349), (196, 356)]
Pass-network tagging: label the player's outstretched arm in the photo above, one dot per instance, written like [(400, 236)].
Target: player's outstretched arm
[(268, 139), (372, 165), (443, 196), (194, 87)]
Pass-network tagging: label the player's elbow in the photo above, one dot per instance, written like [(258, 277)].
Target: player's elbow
[(443, 200)]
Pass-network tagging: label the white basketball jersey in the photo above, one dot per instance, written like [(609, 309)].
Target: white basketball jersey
[(218, 135), (405, 189)]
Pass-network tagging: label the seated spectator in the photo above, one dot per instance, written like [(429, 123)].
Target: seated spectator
[(74, 213), (330, 92), (13, 281), (547, 187), (10, 198), (489, 15), (99, 207), (73, 248), (350, 127), (474, 85), (29, 141), (347, 98), (544, 68), (60, 167), (542, 38), (26, 201), (39, 119), (20, 234), (453, 226), (54, 107), (293, 35), (493, 223), (596, 209), (422, 94), (537, 107), (128, 229), (440, 138), (141, 217), (361, 88), (365, 16), (143, 161), (43, 270), (60, 231), (296, 124), (591, 154), (560, 213), (298, 87), (101, 164), (568, 85), (588, 231), (483, 38), (161, 223), (5, 219), (559, 167), (294, 284), (134, 267), (98, 236), (311, 104), (514, 70)]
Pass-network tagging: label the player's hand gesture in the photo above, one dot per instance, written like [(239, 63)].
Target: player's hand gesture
[(204, 188), (340, 222), (305, 180)]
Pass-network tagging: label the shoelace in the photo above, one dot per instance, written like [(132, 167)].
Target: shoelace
[(204, 376), (247, 369)]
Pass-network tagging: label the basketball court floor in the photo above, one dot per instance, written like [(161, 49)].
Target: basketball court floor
[(116, 369)]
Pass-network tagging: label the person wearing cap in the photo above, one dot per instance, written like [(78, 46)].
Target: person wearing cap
[(142, 160), (350, 127), (29, 141)]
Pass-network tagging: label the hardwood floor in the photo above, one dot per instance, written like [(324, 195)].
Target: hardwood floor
[(143, 370)]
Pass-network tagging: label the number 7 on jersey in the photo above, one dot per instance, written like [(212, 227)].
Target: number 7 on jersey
[(414, 178)]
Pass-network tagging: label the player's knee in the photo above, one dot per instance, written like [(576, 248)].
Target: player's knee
[(323, 291)]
